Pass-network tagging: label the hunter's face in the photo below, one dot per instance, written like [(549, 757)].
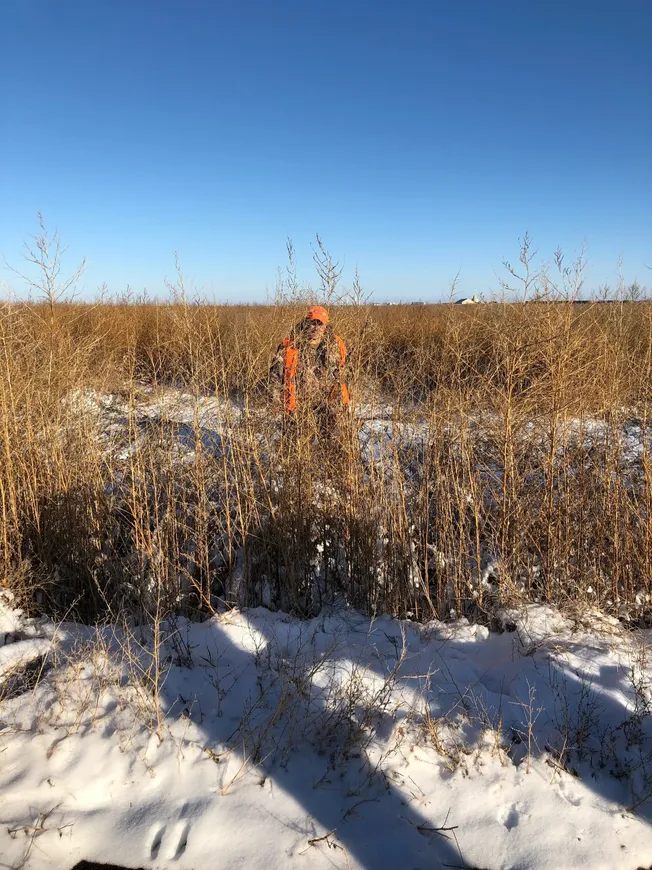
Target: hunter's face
[(314, 332)]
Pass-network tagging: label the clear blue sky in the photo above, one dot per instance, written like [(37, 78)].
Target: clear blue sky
[(418, 138)]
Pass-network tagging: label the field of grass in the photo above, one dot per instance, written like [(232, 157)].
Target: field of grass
[(495, 456), (496, 453)]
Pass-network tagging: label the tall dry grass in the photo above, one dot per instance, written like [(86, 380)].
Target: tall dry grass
[(496, 453)]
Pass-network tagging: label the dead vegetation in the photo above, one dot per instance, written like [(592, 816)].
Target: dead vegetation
[(495, 453)]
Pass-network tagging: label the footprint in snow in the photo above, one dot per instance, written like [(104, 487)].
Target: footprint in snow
[(156, 842), (569, 795), (492, 684), (175, 842), (182, 841), (509, 816)]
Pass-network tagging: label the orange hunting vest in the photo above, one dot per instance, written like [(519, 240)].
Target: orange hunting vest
[(291, 361)]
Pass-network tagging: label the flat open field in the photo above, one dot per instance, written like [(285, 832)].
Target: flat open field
[(494, 454), (420, 640)]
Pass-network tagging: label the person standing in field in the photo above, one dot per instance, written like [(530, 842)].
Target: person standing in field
[(307, 373)]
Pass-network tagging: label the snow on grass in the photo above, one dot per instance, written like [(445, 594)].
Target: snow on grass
[(185, 419), (335, 742)]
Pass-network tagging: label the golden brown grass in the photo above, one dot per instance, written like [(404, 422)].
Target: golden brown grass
[(501, 474)]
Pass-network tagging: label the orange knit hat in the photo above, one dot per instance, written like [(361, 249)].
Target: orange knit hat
[(318, 312)]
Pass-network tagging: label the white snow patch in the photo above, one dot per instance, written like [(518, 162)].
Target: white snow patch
[(336, 742)]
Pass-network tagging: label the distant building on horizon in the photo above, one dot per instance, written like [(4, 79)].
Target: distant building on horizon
[(472, 301)]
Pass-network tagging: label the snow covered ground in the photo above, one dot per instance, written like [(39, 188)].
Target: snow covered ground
[(339, 742), (258, 740), (213, 417)]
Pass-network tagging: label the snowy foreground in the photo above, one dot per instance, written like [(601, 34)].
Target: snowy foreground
[(334, 743)]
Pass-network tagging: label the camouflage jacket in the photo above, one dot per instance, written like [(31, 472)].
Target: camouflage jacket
[(318, 372)]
